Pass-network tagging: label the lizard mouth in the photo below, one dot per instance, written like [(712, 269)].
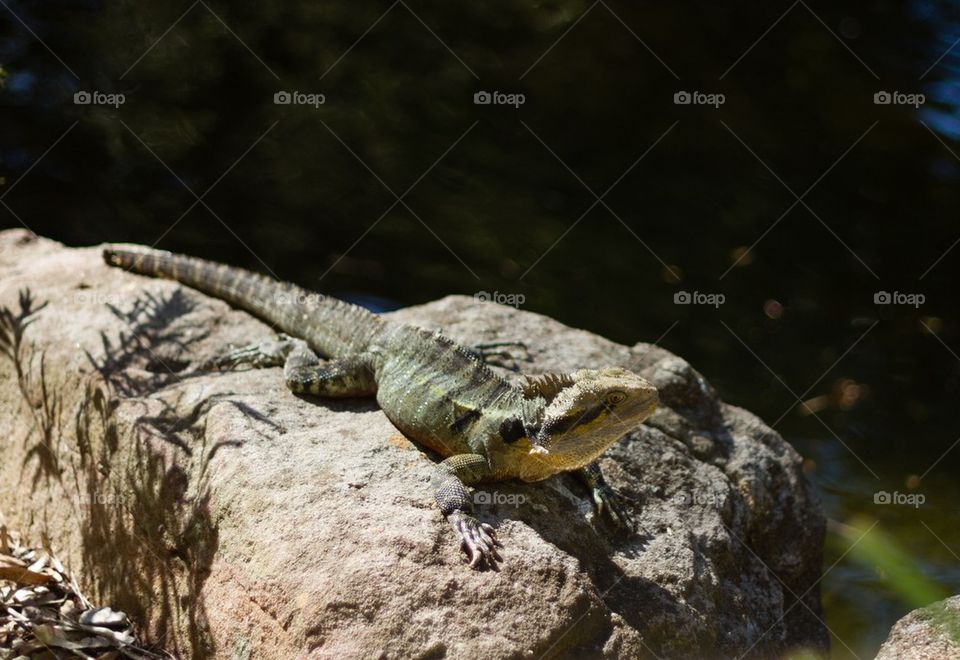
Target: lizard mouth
[(581, 426), (560, 425)]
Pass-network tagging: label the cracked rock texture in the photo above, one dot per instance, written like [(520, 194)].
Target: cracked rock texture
[(234, 519), (929, 633)]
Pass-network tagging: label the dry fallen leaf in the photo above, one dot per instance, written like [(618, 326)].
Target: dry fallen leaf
[(17, 571), (45, 616)]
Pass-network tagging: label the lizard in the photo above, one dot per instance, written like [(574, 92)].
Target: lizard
[(436, 392)]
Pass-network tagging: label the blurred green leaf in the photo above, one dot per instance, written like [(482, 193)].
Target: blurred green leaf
[(871, 546)]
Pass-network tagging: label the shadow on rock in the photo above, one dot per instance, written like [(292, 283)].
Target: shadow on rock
[(148, 536)]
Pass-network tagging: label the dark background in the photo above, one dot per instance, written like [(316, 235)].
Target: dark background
[(300, 197)]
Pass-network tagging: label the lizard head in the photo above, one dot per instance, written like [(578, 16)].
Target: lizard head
[(588, 415)]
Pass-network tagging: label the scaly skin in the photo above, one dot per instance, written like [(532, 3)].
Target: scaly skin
[(433, 390)]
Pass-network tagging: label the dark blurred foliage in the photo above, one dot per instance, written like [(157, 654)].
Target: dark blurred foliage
[(492, 213)]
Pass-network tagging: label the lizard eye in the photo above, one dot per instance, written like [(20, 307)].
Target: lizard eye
[(613, 398)]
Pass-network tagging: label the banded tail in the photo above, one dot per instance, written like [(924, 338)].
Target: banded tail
[(332, 327)]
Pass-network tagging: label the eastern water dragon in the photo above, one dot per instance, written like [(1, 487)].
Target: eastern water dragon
[(436, 392)]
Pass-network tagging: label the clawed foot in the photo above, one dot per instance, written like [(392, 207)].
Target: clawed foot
[(257, 356), (614, 507), (477, 539)]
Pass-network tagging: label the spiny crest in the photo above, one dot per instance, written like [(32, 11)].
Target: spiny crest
[(479, 364), (546, 385)]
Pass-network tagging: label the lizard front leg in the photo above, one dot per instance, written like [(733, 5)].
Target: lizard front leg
[(608, 502), (477, 539)]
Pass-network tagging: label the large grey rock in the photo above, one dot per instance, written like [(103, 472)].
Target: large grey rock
[(238, 520), (929, 633)]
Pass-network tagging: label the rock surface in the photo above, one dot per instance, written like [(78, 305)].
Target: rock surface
[(929, 633), (238, 520)]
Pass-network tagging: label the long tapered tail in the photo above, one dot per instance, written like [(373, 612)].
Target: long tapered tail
[(332, 327)]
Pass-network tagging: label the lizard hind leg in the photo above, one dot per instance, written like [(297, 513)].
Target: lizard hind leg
[(257, 356), (350, 376)]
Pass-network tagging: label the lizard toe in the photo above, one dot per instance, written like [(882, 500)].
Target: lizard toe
[(478, 541), (614, 506), (491, 535), (486, 537), (264, 354)]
